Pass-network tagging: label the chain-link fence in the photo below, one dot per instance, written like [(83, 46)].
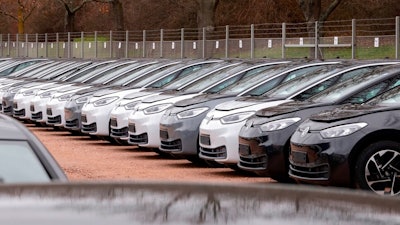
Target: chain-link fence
[(348, 39)]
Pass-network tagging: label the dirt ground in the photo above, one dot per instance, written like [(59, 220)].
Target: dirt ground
[(83, 159)]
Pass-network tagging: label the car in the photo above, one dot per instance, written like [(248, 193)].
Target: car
[(264, 140), (73, 108), (219, 130), (23, 158), (96, 112), (351, 146), (135, 202)]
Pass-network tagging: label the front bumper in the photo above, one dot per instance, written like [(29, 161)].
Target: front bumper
[(55, 112), (38, 109), (144, 130), (95, 120), (119, 122)]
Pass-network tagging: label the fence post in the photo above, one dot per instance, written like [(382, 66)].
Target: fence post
[(353, 39), (204, 43), (144, 44), (37, 44), (316, 40), (182, 43), (95, 45), (283, 40), (45, 46), (69, 45), (58, 45), (1, 44), (397, 36), (126, 44), (227, 41), (26, 46), (8, 45), (82, 45), (17, 45), (111, 42), (161, 43), (252, 42)]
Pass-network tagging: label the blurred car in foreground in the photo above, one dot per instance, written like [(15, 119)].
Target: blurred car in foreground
[(23, 158), (192, 203)]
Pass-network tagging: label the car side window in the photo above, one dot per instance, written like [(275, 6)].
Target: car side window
[(354, 73), (301, 72), (367, 94), (180, 73), (315, 90), (18, 163)]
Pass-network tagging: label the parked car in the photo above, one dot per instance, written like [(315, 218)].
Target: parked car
[(219, 130), (96, 112), (264, 140), (353, 146), (23, 158)]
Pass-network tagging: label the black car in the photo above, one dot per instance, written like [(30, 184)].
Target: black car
[(264, 139), (354, 145), (23, 158)]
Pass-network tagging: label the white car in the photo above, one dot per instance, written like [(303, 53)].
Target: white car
[(96, 112), (219, 130), (144, 122)]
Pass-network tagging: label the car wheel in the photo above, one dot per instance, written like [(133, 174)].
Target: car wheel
[(378, 168)]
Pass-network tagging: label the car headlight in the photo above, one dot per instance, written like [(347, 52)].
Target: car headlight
[(131, 105), (342, 130), (279, 124), (191, 112), (105, 101), (82, 100), (156, 108), (65, 97), (29, 93), (46, 94), (235, 118)]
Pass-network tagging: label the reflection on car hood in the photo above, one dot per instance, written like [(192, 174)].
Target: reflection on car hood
[(104, 92), (191, 203), (138, 94), (91, 89), (156, 98), (200, 99), (350, 111), (285, 108), (236, 104)]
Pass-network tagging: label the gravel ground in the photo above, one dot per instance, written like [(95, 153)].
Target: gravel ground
[(83, 159)]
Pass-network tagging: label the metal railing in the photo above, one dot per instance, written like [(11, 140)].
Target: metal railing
[(349, 39)]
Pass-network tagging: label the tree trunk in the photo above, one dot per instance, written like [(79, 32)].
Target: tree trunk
[(205, 16), (20, 17), (69, 22), (118, 12)]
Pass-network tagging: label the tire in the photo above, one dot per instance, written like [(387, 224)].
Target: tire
[(377, 168)]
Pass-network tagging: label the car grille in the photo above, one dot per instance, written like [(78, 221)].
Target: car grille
[(19, 113), (7, 110), (83, 119), (251, 155), (163, 134), (113, 122), (37, 116), (54, 120), (72, 123), (138, 139), (132, 127), (89, 128), (32, 108), (205, 139), (320, 172), (215, 153), (49, 112), (171, 146), (15, 105), (123, 132)]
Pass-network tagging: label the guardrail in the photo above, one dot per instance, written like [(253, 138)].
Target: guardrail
[(349, 39)]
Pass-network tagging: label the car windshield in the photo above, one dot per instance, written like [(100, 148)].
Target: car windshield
[(18, 163), (339, 90), (391, 97), (133, 74), (290, 87), (247, 80)]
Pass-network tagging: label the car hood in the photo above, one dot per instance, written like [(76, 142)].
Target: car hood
[(103, 92), (350, 111), (161, 97), (236, 104), (286, 108), (89, 90), (201, 99), (138, 95)]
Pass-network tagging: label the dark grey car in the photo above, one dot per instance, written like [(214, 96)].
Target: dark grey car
[(23, 158)]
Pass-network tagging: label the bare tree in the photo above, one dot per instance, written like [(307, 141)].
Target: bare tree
[(206, 13), (20, 11), (71, 7), (312, 11)]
